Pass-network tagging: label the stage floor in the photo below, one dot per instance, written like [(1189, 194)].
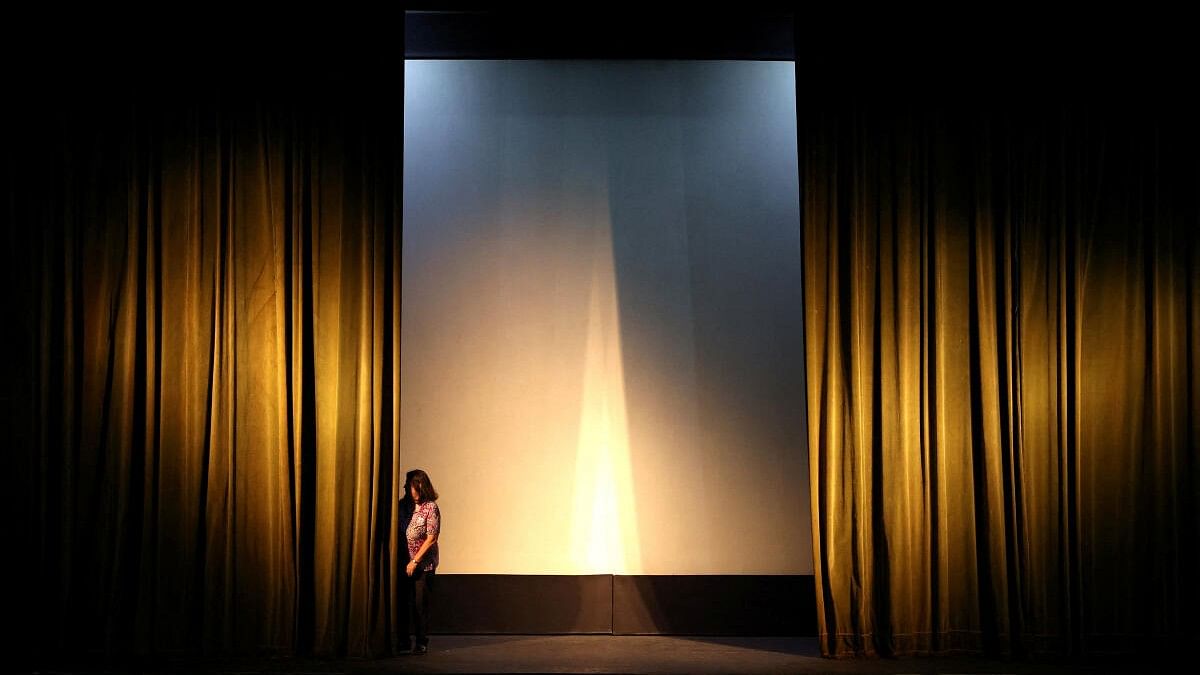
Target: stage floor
[(610, 654)]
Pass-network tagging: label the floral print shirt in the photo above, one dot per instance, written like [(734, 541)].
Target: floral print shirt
[(426, 520)]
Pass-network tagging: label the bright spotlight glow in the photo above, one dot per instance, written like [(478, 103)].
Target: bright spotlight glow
[(604, 536)]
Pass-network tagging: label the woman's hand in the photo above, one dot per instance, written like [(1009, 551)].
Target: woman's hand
[(412, 567)]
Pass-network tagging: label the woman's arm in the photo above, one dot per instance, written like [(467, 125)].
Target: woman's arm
[(425, 546), (416, 559)]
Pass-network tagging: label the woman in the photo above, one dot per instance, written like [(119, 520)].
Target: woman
[(420, 510)]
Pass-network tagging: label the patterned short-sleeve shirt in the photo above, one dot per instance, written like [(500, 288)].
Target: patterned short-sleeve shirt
[(426, 520)]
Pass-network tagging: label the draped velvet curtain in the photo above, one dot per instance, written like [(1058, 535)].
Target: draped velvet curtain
[(203, 297), (1003, 327)]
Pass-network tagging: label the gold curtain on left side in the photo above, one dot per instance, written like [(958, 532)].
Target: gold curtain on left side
[(203, 403)]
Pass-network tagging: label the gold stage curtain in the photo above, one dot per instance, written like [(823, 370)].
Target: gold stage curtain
[(1002, 309), (203, 398)]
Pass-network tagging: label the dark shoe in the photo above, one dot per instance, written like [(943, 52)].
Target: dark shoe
[(420, 650), (404, 649)]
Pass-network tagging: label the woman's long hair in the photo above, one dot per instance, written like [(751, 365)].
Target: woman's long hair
[(420, 480)]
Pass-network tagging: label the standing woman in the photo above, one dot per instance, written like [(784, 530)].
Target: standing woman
[(422, 533)]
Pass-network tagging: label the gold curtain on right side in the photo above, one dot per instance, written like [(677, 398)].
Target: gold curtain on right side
[(1003, 329)]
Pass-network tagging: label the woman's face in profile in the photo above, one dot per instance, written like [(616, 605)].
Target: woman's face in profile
[(412, 491)]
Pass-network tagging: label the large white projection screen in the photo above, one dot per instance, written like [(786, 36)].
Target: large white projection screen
[(601, 328)]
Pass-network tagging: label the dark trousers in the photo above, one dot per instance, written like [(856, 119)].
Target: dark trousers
[(421, 586)]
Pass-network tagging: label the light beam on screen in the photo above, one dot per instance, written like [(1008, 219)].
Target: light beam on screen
[(604, 536)]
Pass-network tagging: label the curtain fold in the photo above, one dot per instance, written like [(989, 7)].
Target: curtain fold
[(1002, 313), (206, 294)]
